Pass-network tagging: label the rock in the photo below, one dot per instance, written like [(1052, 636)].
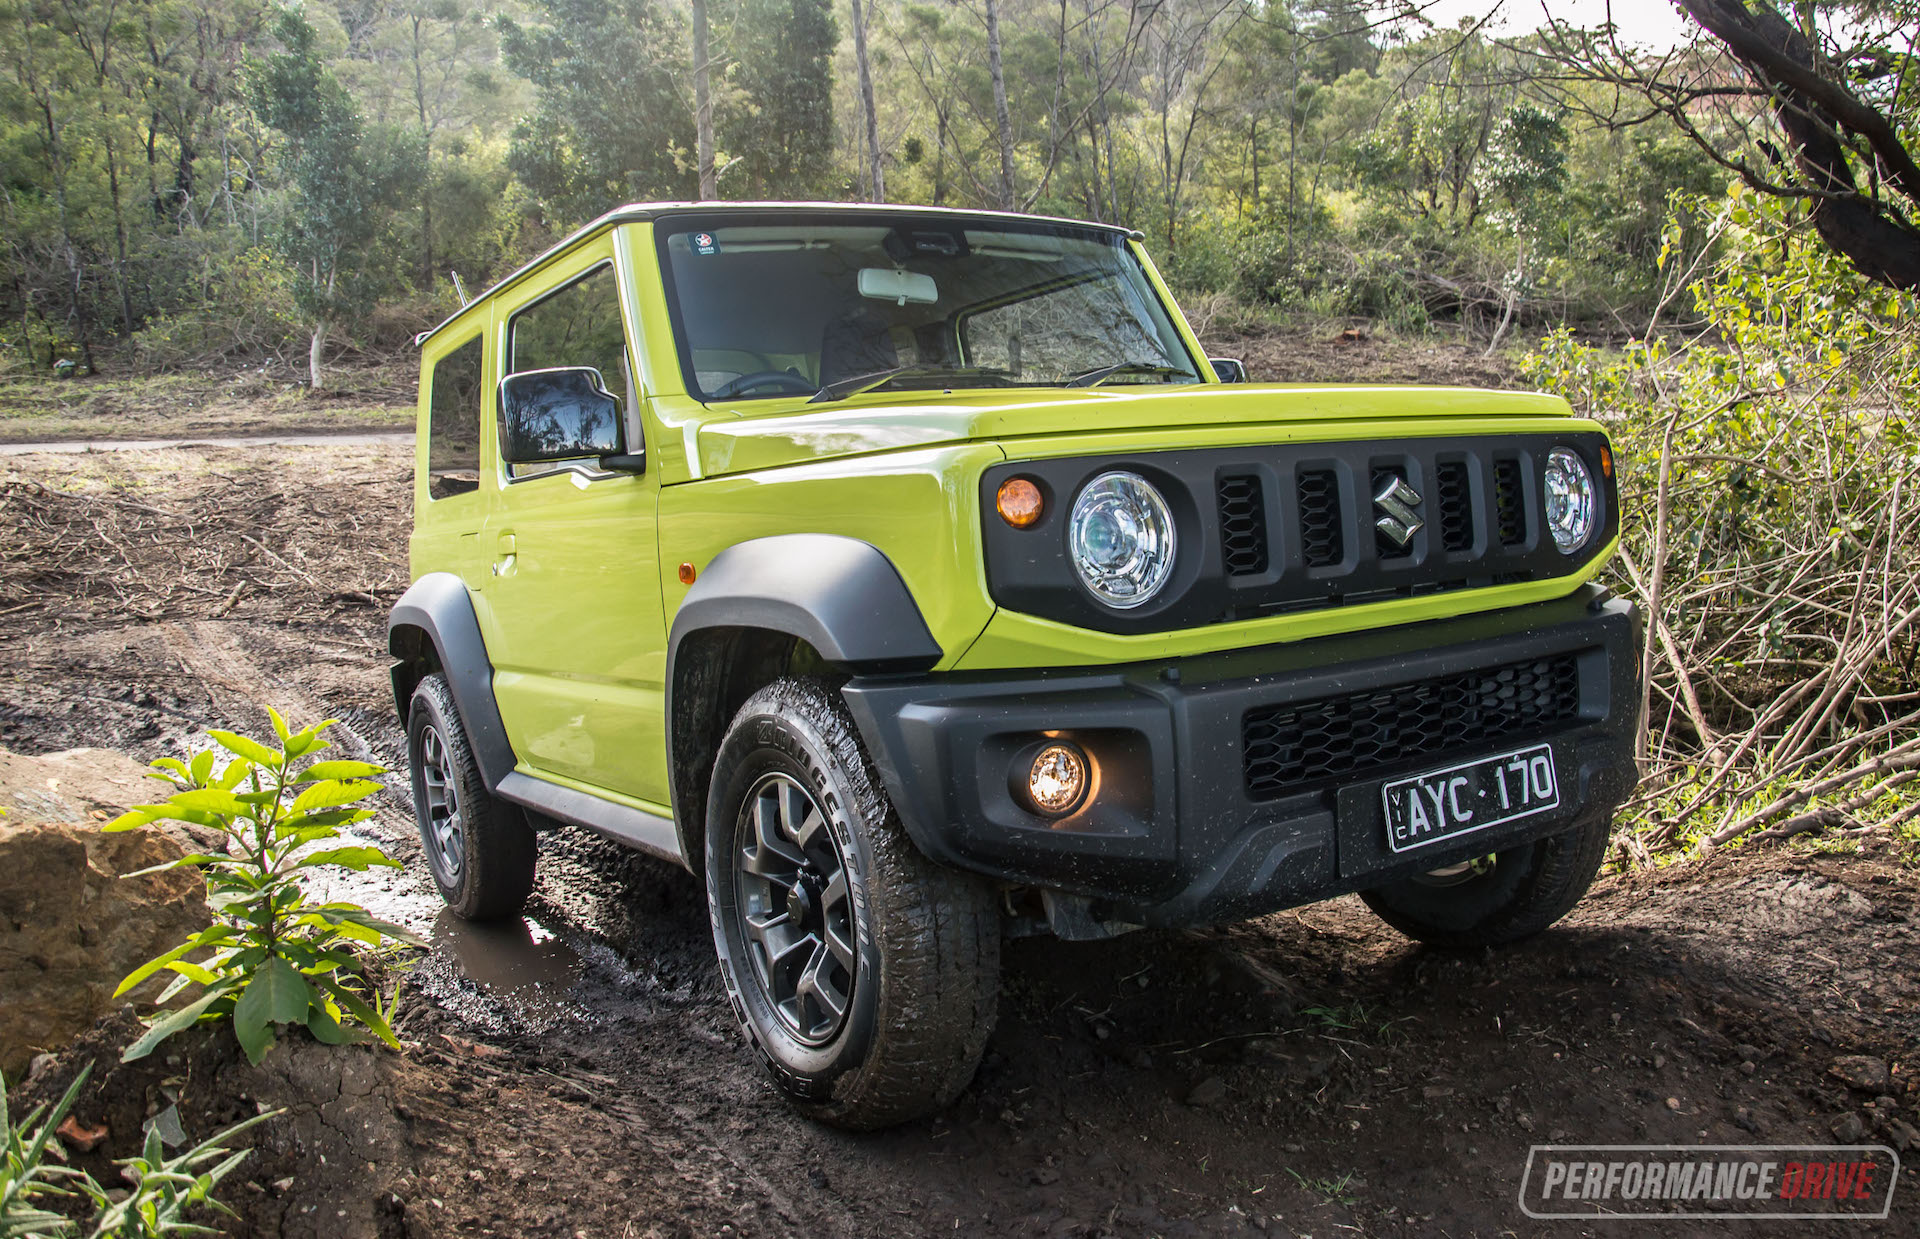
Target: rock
[(78, 1136), (1885, 1104), (72, 786), (1869, 1075), (1747, 1069), (1847, 1128), (70, 927), (1902, 1135), (1747, 1053), (1207, 1092)]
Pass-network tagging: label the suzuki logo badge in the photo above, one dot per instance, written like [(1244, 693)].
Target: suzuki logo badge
[(1398, 504)]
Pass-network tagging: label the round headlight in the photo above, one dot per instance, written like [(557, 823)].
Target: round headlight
[(1572, 500), (1120, 537)]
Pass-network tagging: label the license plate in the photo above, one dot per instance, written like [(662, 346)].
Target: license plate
[(1445, 804)]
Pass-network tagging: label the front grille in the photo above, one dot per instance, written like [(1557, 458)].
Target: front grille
[(1509, 501), (1286, 528), (1455, 503), (1243, 526), (1320, 541), (1290, 748)]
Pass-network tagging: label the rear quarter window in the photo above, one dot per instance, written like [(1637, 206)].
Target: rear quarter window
[(453, 423)]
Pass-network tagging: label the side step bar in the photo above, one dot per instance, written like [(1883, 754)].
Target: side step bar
[(648, 832)]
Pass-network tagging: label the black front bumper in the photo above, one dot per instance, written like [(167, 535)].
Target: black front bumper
[(1204, 808)]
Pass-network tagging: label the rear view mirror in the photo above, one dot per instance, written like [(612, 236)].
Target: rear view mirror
[(561, 414), (900, 287), (1228, 369)]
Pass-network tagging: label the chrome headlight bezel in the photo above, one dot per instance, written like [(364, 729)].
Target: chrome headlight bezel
[(1121, 540), (1572, 500)]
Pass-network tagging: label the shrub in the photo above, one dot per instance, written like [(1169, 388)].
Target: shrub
[(243, 307), (163, 1188), (271, 957), (1769, 475)]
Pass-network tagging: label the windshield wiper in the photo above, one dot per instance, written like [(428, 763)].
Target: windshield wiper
[(854, 384), (1095, 377)]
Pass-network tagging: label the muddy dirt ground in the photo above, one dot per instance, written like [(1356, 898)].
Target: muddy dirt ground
[(577, 1073)]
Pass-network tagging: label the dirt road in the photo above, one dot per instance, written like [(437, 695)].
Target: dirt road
[(69, 446), (1310, 1073)]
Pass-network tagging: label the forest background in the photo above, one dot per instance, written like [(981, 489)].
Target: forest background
[(1707, 239)]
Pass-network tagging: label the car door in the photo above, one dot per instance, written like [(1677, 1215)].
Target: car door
[(575, 626)]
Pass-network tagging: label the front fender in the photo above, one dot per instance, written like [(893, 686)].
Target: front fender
[(840, 595)]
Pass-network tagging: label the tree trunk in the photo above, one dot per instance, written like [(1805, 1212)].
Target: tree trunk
[(426, 152), (1813, 110), (876, 178), (315, 348), (1003, 126), (703, 101)]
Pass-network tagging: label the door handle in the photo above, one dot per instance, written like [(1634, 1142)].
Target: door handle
[(503, 557)]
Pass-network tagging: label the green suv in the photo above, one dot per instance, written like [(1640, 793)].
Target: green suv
[(913, 576)]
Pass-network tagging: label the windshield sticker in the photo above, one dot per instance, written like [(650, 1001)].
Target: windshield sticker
[(703, 243)]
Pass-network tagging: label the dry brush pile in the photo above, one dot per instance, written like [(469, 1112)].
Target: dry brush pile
[(205, 534), (1771, 483)]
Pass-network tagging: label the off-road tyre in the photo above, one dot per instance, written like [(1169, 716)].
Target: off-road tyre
[(1527, 889), (927, 939), (495, 847)]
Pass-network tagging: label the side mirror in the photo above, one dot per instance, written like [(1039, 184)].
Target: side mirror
[(1229, 369), (562, 414)]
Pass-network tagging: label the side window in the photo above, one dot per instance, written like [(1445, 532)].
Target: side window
[(453, 423), (577, 326)]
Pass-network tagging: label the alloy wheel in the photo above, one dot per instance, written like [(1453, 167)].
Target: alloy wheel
[(445, 833), (794, 908)]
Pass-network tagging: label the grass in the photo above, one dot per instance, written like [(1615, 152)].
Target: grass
[(232, 401), (1329, 1189), (1356, 1019)]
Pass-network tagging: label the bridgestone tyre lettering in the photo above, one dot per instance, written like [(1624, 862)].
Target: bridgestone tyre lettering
[(927, 939), (487, 872), (1529, 888)]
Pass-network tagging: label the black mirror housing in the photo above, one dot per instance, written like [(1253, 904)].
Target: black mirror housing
[(561, 414), (1229, 369)]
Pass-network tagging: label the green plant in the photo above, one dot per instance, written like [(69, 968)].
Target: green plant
[(1355, 1018), (1767, 472), (163, 1188), (1329, 1188), (26, 1177), (272, 957)]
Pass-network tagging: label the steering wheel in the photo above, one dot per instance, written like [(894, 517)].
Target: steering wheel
[(760, 378)]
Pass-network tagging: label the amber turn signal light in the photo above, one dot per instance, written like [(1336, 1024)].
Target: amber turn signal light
[(1606, 460), (1020, 503), (686, 574)]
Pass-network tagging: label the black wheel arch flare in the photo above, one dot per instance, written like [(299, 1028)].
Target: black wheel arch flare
[(841, 596)]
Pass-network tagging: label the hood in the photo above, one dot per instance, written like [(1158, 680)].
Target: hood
[(765, 434)]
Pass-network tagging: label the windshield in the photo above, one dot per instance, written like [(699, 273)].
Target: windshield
[(829, 306)]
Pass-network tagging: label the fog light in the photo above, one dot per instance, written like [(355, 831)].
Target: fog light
[(1057, 781)]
